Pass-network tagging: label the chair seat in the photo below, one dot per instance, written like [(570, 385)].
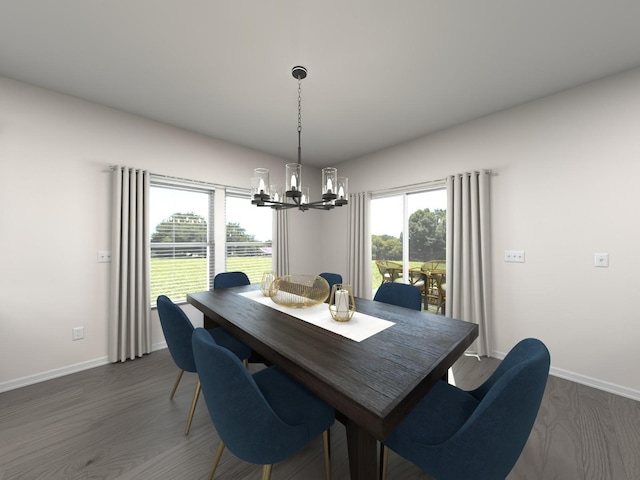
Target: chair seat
[(293, 403), (440, 414), (228, 341)]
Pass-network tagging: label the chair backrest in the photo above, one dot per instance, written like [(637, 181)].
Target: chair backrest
[(401, 294), (242, 416), (331, 278), (438, 266), (492, 439), (384, 265), (230, 279), (177, 329)]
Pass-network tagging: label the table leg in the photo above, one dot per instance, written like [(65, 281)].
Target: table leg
[(362, 448)]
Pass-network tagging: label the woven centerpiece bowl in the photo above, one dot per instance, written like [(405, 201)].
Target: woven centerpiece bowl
[(299, 291)]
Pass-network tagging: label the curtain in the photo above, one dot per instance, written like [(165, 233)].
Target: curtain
[(282, 243), (468, 251), (129, 316), (359, 244)]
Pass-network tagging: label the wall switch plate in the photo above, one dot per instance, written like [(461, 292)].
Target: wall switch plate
[(78, 333), (104, 257), (514, 256), (600, 259)]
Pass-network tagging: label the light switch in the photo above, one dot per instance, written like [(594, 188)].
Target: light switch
[(601, 259)]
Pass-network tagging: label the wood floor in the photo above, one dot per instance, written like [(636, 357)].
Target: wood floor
[(116, 422)]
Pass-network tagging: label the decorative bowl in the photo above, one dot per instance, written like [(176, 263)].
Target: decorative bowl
[(299, 291)]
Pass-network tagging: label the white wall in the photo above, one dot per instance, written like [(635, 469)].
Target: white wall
[(55, 153), (566, 170)]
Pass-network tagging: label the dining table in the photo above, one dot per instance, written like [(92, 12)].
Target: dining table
[(373, 369)]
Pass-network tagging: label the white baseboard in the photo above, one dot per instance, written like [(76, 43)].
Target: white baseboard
[(595, 383), (60, 372), (588, 381), (51, 374)]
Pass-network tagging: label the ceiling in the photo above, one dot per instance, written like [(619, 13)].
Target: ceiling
[(380, 72)]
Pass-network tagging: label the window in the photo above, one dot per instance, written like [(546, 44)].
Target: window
[(409, 229), (181, 223), (191, 223), (248, 237)]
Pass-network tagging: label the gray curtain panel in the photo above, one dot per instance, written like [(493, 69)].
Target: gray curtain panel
[(468, 251), (130, 305), (359, 248), (281, 242)]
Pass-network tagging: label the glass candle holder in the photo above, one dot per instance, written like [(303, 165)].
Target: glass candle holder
[(267, 279), (305, 195), (277, 193), (342, 305), (261, 182), (342, 193), (293, 172), (329, 183)]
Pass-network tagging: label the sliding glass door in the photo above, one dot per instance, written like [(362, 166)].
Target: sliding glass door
[(407, 230)]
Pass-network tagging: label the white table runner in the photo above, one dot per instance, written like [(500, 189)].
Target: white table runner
[(360, 327)]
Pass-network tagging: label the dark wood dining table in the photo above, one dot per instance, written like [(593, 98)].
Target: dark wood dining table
[(373, 384)]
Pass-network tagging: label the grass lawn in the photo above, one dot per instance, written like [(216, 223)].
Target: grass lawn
[(176, 277)]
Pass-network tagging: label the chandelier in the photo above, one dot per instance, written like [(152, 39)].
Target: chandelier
[(293, 194)]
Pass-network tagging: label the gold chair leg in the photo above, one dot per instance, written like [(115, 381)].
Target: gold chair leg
[(266, 472), (384, 461), (326, 440), (216, 460), (245, 362), (196, 394), (175, 385)]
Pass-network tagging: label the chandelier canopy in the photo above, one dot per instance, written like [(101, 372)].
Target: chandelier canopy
[(293, 194)]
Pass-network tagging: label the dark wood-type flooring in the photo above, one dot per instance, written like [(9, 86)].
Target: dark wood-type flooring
[(116, 422)]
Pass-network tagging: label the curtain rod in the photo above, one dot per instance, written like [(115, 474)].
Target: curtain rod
[(409, 188), (188, 181), (422, 185)]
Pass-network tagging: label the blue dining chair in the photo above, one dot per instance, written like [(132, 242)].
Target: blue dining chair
[(331, 278), (230, 279), (177, 329), (262, 418), (454, 434), (400, 294)]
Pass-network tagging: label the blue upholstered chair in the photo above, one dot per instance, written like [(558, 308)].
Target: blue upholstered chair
[(454, 434), (177, 329), (400, 294), (262, 418), (331, 278), (230, 279)]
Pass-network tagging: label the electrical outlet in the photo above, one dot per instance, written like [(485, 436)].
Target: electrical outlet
[(514, 256), (104, 256), (78, 333)]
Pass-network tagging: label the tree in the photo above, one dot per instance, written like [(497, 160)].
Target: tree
[(236, 233), (180, 228), (427, 235), (427, 238), (386, 247)]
